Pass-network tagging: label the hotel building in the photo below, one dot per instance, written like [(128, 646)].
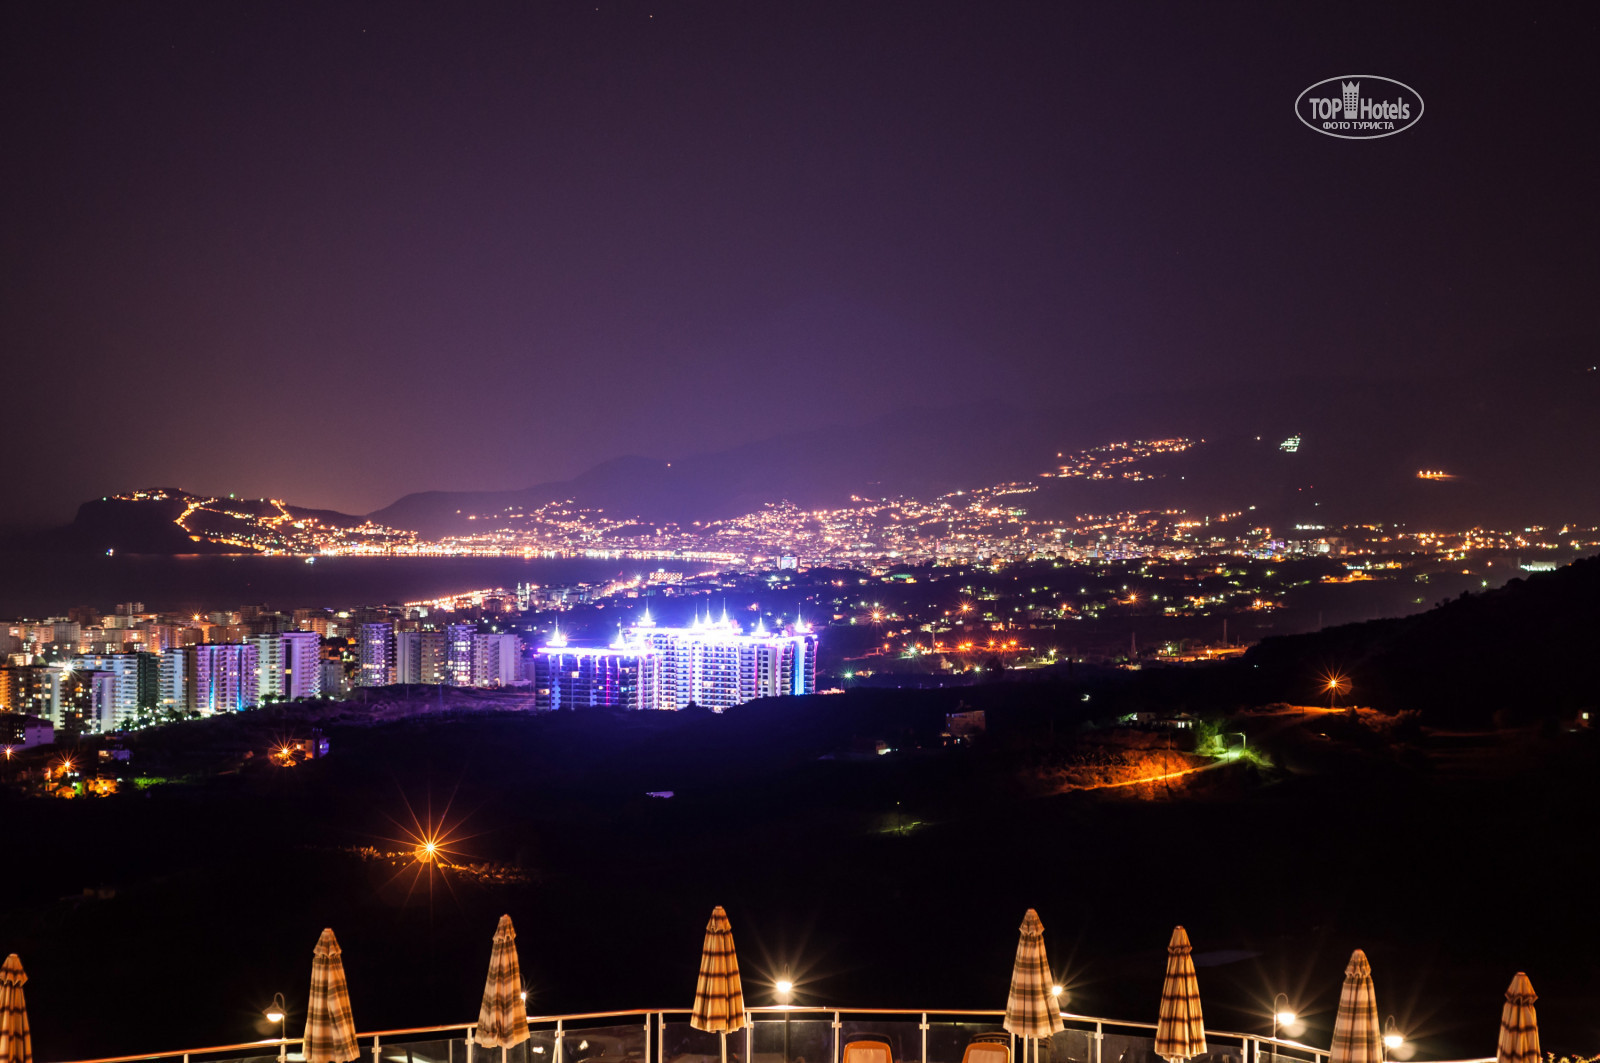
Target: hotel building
[(710, 663)]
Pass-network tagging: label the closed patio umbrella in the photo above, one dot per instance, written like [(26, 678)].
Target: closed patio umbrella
[(503, 1017), (1519, 1024), (1180, 1030), (16, 1046), (330, 1031), (1357, 1038), (1031, 1008), (718, 996)]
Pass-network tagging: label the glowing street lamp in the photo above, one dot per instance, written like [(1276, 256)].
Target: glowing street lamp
[(278, 1013), (1392, 1037), (1282, 1017), (1335, 683), (785, 988)]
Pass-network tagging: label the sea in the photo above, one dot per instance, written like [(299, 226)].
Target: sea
[(34, 585)]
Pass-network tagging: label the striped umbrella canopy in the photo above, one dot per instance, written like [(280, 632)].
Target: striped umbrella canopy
[(1519, 1024), (1181, 1030), (718, 996), (330, 1031), (16, 1046), (1357, 1038), (1031, 1009), (503, 1017)]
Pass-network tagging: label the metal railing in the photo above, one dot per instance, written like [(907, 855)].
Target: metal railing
[(775, 1034)]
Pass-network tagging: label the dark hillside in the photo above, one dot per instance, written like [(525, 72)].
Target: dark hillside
[(1517, 654)]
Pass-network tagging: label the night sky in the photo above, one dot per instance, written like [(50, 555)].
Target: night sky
[(339, 252)]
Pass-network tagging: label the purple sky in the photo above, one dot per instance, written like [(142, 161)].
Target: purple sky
[(339, 252)]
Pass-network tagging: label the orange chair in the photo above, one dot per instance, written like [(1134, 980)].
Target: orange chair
[(867, 1052), (986, 1052)]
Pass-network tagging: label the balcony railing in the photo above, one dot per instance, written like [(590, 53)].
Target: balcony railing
[(775, 1035)]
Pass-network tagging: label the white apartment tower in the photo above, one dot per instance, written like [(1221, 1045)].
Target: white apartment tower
[(302, 664)]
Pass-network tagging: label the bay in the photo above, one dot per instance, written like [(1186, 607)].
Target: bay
[(34, 585)]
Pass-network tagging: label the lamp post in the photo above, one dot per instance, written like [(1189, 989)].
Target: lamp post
[(276, 1012), (785, 988), (1392, 1037), (1281, 1017)]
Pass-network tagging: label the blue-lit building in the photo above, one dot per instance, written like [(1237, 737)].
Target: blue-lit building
[(609, 677), (710, 663)]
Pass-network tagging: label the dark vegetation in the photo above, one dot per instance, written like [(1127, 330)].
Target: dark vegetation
[(1522, 653)]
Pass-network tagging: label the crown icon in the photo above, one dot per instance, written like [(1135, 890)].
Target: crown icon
[(1352, 97)]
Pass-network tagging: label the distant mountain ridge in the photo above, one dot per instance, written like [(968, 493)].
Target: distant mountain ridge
[(1516, 447), (1510, 443), (148, 523)]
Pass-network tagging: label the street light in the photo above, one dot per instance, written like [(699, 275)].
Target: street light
[(785, 988), (1392, 1037), (278, 1013), (1282, 1017), (1334, 684)]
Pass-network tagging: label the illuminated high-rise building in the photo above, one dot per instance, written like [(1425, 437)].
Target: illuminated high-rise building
[(420, 657), (433, 656), (458, 653), (407, 656), (269, 666), (608, 677), (713, 664), (496, 659), (177, 692), (302, 664), (376, 647), (710, 663), (22, 689), (134, 686), (226, 677)]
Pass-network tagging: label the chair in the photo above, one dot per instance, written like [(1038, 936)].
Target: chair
[(985, 1050), (867, 1052)]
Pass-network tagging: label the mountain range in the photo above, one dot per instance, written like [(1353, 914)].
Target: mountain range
[(1514, 447)]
